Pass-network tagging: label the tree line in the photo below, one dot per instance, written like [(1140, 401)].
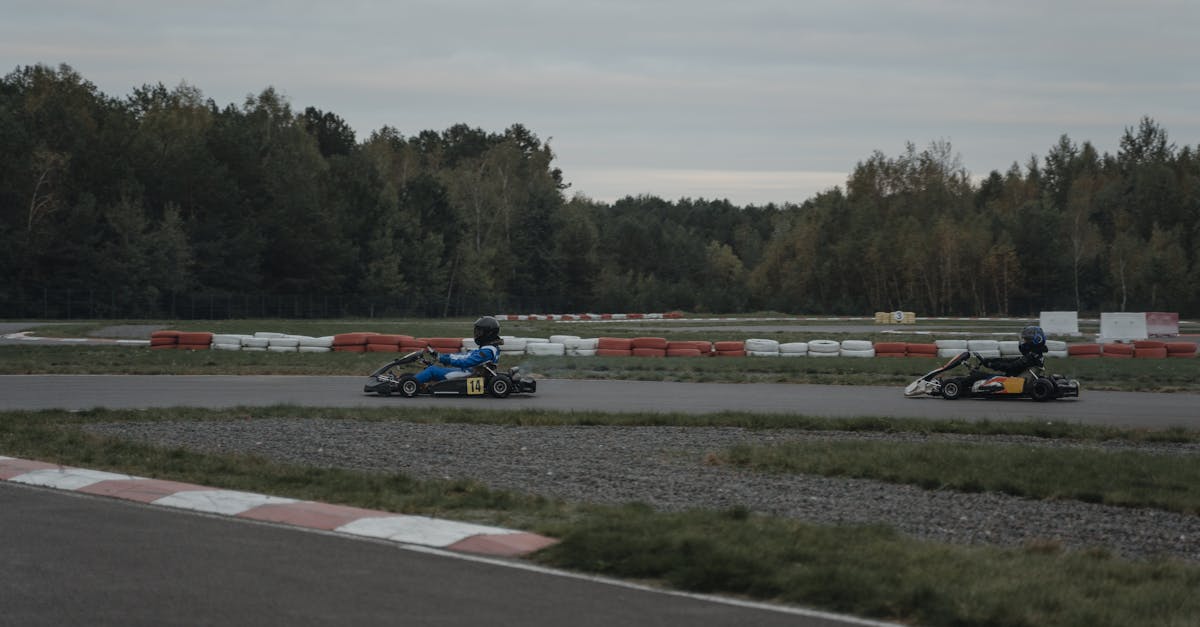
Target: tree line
[(164, 194)]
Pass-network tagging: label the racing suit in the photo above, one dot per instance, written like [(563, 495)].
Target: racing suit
[(1031, 355), (462, 364)]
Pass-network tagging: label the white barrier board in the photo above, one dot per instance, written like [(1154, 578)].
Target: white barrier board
[(1123, 326), (1060, 322)]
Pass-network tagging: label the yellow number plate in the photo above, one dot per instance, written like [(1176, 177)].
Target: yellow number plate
[(475, 385)]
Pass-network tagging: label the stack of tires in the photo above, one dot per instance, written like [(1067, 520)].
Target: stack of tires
[(857, 348), (227, 341), (648, 347), (442, 344), (891, 349), (1116, 350), (350, 342), (689, 348), (985, 348), (756, 347), (1149, 349), (729, 349), (580, 347), (1181, 349), (614, 347), (949, 348), (824, 348), (385, 342), (164, 340), (539, 346), (919, 349), (1084, 351), (512, 345), (1056, 348), (793, 349), (194, 341), (281, 343)]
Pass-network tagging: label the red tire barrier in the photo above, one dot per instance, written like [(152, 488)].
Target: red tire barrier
[(203, 337), (890, 347), (192, 347), (730, 346), (385, 338), (741, 353), (156, 342), (921, 350), (351, 339), (1181, 349), (649, 352), (1110, 349), (684, 352), (165, 333), (1149, 344), (656, 343), (1080, 350), (1150, 353), (158, 347), (350, 348), (613, 352), (879, 354), (614, 343), (382, 348)]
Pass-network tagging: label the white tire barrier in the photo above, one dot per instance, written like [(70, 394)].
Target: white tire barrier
[(1009, 348), (959, 345), (283, 342), (824, 348), (325, 341), (793, 349), (754, 345), (282, 349), (979, 346), (545, 348), (850, 352), (581, 344), (946, 353), (314, 349), (562, 339), (762, 353), (581, 352), (857, 345), (225, 346), (268, 334), (255, 342)]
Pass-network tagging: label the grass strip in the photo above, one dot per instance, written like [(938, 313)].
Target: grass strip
[(1121, 478)]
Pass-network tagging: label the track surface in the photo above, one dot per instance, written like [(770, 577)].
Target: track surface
[(114, 391)]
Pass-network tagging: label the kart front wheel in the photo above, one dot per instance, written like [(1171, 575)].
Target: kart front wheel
[(408, 386), (500, 386), (952, 389), (1043, 390)]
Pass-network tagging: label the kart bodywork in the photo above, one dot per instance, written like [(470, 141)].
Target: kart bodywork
[(1033, 382)]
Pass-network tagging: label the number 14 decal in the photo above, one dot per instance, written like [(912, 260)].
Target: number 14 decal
[(475, 385)]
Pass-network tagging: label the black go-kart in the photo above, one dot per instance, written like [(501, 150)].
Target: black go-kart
[(1032, 382), (484, 379)]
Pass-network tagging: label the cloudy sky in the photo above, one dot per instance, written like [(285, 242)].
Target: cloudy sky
[(756, 101)]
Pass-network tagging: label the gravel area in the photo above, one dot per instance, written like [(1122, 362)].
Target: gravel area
[(665, 467)]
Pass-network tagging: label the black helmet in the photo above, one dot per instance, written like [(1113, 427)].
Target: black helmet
[(1033, 336), (487, 331)]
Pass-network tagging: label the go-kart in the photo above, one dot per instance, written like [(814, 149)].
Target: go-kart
[(1032, 382), (484, 379)]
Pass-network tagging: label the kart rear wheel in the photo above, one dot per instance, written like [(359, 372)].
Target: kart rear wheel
[(952, 389), (1043, 390), (408, 386), (500, 386)]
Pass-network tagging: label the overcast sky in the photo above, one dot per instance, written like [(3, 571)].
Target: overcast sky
[(756, 100)]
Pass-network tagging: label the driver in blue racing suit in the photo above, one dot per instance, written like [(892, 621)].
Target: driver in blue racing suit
[(487, 337)]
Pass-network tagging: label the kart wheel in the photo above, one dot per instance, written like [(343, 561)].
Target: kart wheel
[(408, 386), (500, 386), (952, 389), (1043, 390)]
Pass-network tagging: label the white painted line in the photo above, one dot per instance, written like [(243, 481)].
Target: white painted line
[(418, 530), (228, 502), (67, 478)]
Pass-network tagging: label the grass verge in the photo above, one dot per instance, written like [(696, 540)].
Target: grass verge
[(868, 571), (1120, 478)]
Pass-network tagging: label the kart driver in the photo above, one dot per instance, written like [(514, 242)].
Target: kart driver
[(487, 337), (1032, 347)]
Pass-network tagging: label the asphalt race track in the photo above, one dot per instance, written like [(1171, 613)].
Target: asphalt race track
[(1132, 409)]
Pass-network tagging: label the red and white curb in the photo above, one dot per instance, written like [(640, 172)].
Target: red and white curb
[(418, 530)]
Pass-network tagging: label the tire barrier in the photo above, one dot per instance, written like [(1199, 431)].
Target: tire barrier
[(1181, 349), (575, 346), (926, 350), (824, 348), (891, 349)]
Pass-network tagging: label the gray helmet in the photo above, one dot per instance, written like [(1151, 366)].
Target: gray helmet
[(487, 331)]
